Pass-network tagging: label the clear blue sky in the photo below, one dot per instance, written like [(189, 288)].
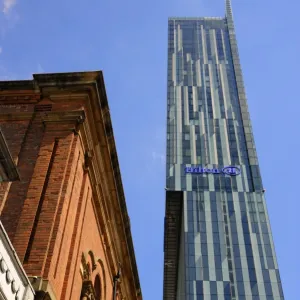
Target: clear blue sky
[(128, 41)]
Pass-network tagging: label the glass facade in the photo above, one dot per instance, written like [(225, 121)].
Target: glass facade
[(226, 249)]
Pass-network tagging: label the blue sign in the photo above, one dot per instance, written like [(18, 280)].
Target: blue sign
[(230, 170)]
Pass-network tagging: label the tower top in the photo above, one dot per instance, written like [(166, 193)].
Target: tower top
[(228, 15), (228, 9)]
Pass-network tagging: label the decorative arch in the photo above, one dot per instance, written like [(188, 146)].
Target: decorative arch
[(103, 275), (92, 256), (93, 275)]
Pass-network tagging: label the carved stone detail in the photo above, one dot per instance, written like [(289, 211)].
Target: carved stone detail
[(87, 292), (88, 157), (86, 272)]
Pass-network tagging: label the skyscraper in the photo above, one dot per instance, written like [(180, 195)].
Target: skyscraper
[(218, 243)]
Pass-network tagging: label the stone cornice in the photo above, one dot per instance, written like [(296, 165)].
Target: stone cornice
[(16, 85)]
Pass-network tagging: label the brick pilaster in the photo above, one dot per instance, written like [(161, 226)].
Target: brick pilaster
[(39, 242), (26, 150)]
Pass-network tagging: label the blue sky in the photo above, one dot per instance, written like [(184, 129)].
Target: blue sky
[(128, 41)]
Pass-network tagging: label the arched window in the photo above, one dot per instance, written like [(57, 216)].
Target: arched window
[(97, 287)]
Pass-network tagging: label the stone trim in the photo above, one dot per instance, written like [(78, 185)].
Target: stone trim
[(8, 171), (13, 265)]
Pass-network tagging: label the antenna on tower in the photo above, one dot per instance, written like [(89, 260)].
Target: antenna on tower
[(228, 9), (229, 16)]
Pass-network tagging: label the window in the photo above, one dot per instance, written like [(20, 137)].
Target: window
[(97, 287)]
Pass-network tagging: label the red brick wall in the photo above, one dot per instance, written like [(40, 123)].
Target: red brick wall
[(49, 214)]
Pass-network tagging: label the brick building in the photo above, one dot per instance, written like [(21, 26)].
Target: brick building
[(66, 217)]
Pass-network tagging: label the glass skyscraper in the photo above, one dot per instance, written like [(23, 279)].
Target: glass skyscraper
[(218, 243)]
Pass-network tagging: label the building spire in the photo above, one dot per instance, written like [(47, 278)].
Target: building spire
[(228, 10), (229, 16)]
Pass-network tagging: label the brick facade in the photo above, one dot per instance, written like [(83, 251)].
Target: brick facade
[(67, 216)]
